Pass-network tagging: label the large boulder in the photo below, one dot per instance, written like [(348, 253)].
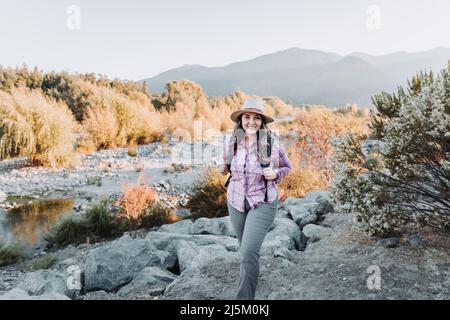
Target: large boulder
[(110, 266), (192, 256), (2, 196), (314, 232), (283, 236), (217, 226), (45, 282), (150, 281), (167, 241), (181, 227)]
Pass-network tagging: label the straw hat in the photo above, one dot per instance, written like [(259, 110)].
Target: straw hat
[(252, 105)]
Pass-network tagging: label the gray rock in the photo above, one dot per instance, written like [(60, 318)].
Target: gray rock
[(416, 241), (166, 241), (322, 208), (312, 218), (217, 226), (150, 281), (44, 282), (19, 294), (298, 213), (335, 220), (284, 233), (181, 227), (389, 242), (110, 266), (183, 213), (192, 256), (314, 232), (282, 212)]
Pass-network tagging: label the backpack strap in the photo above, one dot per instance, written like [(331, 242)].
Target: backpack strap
[(229, 162)]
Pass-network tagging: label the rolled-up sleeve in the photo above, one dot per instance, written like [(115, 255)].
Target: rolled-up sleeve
[(284, 165)]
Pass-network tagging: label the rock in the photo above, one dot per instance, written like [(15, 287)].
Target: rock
[(298, 213), (43, 282), (314, 232), (416, 241), (389, 242), (117, 263), (312, 218), (181, 227), (99, 295), (283, 235), (167, 241), (217, 226), (150, 281), (335, 219), (19, 294), (322, 208), (15, 294), (282, 212), (183, 213), (192, 256)]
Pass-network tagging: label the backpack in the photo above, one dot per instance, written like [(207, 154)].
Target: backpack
[(263, 164)]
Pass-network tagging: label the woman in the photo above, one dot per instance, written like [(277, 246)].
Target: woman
[(252, 195)]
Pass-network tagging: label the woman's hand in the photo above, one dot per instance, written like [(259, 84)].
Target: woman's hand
[(269, 174)]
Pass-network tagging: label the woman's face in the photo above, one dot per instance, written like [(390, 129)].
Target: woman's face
[(251, 122)]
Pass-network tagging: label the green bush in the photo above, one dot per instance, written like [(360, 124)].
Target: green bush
[(70, 230), (156, 215), (10, 254), (101, 222), (408, 178)]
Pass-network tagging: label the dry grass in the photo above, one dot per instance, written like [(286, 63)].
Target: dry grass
[(36, 127)]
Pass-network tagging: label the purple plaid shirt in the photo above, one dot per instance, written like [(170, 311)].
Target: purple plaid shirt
[(247, 180)]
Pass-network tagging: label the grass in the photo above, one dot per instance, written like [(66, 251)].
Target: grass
[(44, 262), (10, 254), (69, 230), (96, 223), (101, 222)]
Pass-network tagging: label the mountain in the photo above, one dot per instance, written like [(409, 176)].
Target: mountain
[(310, 76)]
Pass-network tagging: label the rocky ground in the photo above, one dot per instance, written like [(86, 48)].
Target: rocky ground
[(312, 251)]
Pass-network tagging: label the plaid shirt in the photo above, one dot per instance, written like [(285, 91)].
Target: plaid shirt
[(247, 179)]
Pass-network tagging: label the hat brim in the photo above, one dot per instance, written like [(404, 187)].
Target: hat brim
[(235, 115)]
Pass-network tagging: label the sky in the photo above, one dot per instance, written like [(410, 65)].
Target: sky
[(137, 39)]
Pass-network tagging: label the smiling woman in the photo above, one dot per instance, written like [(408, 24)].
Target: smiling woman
[(252, 194)]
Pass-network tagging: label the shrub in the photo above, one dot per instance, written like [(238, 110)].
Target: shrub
[(408, 179), (45, 262), (10, 254), (209, 195), (70, 230), (156, 215), (101, 222), (35, 127), (134, 201)]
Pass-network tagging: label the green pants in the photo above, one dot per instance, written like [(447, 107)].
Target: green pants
[(251, 229)]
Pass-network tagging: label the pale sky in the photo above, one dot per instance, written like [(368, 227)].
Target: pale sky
[(136, 39)]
